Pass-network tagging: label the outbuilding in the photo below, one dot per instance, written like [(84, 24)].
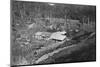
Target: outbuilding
[(59, 36)]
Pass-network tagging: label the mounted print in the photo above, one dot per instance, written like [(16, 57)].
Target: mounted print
[(52, 33)]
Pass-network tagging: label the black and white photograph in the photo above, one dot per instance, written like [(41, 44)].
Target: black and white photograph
[(45, 33)]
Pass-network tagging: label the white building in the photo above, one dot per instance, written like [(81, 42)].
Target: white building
[(58, 36)]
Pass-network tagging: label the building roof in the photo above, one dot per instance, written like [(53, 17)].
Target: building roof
[(61, 32), (38, 33), (58, 36)]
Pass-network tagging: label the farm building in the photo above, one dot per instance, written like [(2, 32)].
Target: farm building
[(58, 36), (42, 35)]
